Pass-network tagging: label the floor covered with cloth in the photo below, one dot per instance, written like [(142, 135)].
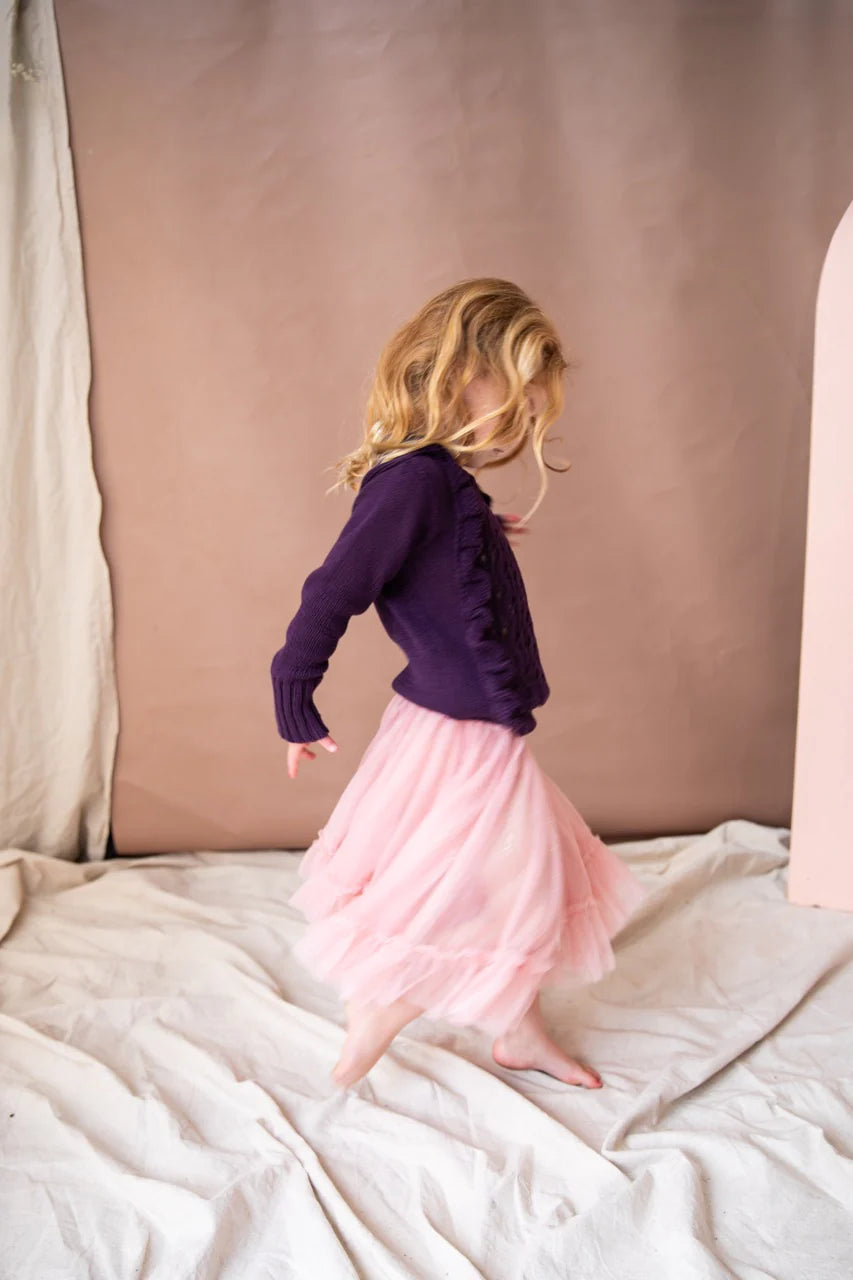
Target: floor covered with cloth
[(167, 1111)]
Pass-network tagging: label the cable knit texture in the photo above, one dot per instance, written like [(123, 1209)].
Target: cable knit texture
[(498, 625), (423, 545)]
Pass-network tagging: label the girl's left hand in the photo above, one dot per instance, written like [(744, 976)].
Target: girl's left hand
[(512, 525)]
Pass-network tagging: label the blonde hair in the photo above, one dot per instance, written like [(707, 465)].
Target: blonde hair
[(478, 326)]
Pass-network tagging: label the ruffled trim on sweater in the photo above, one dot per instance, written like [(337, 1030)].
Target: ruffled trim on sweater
[(493, 661)]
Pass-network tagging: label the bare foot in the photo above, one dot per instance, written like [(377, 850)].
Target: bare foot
[(370, 1030), (529, 1047)]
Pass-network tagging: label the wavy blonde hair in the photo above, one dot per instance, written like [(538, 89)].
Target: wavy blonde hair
[(479, 326)]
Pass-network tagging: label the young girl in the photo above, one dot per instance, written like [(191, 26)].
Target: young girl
[(453, 877)]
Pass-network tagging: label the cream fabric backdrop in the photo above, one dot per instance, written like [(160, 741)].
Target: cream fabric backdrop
[(167, 1062), (268, 190), (58, 705)]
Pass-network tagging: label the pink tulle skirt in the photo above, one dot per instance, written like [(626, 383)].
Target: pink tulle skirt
[(454, 872)]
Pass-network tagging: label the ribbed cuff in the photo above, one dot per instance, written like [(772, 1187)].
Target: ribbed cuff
[(297, 718)]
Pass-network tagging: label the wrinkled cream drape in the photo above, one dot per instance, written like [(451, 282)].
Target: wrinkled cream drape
[(58, 704)]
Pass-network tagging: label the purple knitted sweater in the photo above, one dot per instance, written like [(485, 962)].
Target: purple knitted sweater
[(423, 544)]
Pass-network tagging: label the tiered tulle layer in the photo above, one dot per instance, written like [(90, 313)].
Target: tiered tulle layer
[(455, 873)]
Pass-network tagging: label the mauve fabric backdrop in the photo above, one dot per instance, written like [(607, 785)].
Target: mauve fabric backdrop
[(268, 190)]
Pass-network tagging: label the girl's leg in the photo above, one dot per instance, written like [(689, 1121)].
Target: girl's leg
[(529, 1047), (370, 1030)]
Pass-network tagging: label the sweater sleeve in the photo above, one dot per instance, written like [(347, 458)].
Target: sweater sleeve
[(396, 510)]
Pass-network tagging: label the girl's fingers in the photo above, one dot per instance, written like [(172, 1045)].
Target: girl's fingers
[(294, 756), (300, 749)]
